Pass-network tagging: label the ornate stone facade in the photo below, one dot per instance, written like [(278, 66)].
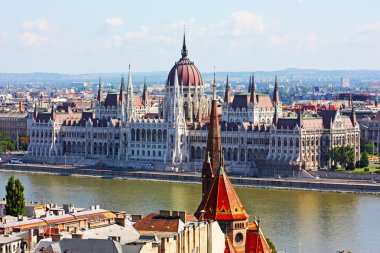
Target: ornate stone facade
[(256, 138)]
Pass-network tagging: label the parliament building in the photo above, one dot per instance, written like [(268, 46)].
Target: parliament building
[(258, 137)]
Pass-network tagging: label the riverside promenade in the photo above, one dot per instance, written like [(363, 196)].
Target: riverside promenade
[(332, 185)]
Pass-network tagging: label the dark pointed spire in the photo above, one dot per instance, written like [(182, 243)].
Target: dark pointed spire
[(207, 175), (253, 99), (227, 92), (35, 112), (52, 112), (353, 114), (299, 116), (250, 84), (276, 94), (122, 89), (184, 49), (99, 98), (145, 93)]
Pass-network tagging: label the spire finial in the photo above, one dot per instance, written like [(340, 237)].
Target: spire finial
[(184, 49), (214, 86)]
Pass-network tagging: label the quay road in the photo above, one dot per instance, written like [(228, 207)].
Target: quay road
[(336, 185)]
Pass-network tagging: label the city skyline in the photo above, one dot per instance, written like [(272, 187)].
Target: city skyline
[(98, 38)]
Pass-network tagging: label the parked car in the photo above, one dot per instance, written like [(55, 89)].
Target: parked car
[(16, 161)]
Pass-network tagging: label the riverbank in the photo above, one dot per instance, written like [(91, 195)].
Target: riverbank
[(330, 185)]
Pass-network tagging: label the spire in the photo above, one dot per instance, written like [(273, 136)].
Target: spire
[(253, 99), (250, 84), (130, 101), (276, 94), (214, 87), (122, 90), (145, 93), (299, 116), (353, 114), (184, 49), (222, 203), (207, 175), (227, 93), (35, 112), (99, 98), (52, 112)]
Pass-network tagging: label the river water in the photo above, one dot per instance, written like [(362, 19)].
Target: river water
[(296, 221)]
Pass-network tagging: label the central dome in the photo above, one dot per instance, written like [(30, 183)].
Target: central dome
[(188, 73)]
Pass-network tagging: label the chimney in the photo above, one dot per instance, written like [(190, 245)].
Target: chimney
[(182, 216)]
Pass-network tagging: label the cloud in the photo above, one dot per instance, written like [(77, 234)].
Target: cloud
[(114, 21), (41, 25), (3, 38), (295, 42), (120, 39), (373, 28), (32, 39), (245, 22)]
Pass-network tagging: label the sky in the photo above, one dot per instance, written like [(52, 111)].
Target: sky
[(91, 36)]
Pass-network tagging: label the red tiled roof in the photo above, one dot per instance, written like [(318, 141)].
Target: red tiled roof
[(153, 222), (188, 73), (229, 246), (222, 202), (256, 241)]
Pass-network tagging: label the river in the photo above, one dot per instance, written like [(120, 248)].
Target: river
[(296, 221)]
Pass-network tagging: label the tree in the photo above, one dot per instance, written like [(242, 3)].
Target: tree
[(15, 201), (271, 245), (343, 155), (366, 145), (364, 159)]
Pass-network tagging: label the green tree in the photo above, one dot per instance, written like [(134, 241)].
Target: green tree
[(15, 201), (271, 245), (343, 155), (366, 145), (364, 159)]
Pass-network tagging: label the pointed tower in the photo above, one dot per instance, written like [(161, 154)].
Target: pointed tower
[(222, 204), (250, 84), (353, 114), (276, 94), (145, 94), (35, 112), (130, 99), (227, 93), (53, 114), (253, 98), (214, 142), (184, 49), (122, 90), (100, 96), (299, 117)]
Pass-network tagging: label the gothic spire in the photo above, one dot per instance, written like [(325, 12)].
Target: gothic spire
[(122, 89), (250, 84), (227, 93), (214, 143), (276, 94), (99, 98), (184, 49), (145, 93), (299, 116), (253, 99), (353, 114)]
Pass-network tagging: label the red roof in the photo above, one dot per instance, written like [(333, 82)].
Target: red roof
[(256, 241), (222, 202), (153, 222), (229, 246), (188, 73)]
